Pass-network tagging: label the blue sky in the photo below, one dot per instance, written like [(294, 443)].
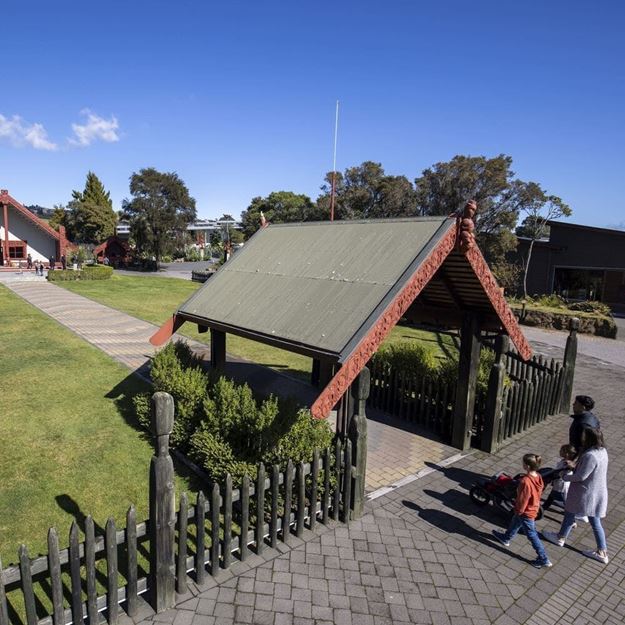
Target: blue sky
[(238, 97)]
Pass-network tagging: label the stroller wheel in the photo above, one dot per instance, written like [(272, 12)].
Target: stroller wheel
[(479, 496)]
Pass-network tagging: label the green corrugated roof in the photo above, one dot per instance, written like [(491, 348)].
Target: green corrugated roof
[(315, 284)]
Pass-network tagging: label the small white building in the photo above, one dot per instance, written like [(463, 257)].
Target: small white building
[(22, 233)]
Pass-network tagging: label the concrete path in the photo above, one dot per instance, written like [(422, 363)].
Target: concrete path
[(397, 451)]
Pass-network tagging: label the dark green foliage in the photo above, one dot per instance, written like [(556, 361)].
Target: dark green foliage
[(90, 218), (99, 272), (417, 361), (407, 356), (159, 211), (88, 273), (278, 207), (175, 371), (367, 192), (222, 426)]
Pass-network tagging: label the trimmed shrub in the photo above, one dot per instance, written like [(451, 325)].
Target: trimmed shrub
[(64, 275), (176, 371), (222, 426), (97, 272), (409, 357)]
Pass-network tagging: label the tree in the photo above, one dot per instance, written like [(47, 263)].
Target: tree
[(159, 211), (59, 217), (91, 218), (539, 209), (366, 192), (278, 207)]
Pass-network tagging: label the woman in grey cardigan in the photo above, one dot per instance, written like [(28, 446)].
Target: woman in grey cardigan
[(588, 494)]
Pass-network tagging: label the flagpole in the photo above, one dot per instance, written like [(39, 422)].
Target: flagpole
[(332, 193)]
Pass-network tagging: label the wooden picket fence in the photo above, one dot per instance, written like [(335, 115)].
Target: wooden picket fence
[(532, 393), (427, 402), (93, 577)]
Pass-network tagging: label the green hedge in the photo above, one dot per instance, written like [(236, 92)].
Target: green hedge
[(222, 427), (419, 361), (88, 273)]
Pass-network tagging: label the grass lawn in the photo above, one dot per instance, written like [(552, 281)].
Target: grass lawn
[(155, 299), (69, 446)]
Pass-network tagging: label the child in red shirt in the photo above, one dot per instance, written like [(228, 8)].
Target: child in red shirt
[(526, 508)]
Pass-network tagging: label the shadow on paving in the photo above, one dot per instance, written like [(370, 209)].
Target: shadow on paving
[(455, 525)]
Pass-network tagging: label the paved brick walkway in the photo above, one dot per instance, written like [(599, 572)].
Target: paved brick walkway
[(396, 450)]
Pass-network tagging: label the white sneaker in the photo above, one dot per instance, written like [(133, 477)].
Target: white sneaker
[(553, 537), (596, 555), (583, 519)]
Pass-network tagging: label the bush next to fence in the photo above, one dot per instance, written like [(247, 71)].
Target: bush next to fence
[(222, 426), (87, 273), (414, 360)]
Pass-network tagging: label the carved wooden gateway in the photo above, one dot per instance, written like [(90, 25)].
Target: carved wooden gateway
[(334, 290)]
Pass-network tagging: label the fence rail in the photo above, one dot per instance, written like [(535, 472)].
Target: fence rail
[(92, 577), (425, 401), (529, 392)]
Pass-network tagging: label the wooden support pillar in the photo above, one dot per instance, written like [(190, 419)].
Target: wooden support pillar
[(357, 432), (467, 379), (162, 510), (6, 255), (494, 397), (570, 356), (326, 372), (218, 349), (316, 370)]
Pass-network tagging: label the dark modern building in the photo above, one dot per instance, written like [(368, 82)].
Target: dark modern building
[(578, 263)]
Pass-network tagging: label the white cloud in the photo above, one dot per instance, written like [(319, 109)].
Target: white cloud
[(18, 133), (96, 128)]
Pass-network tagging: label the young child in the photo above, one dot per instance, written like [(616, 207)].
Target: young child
[(525, 510), (559, 487)]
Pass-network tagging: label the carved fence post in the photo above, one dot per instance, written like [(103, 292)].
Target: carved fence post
[(570, 355), (162, 511), (494, 397), (358, 436)]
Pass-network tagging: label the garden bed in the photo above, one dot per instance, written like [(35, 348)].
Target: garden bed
[(557, 319)]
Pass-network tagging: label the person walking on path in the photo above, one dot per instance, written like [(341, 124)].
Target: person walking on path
[(583, 419), (29, 262), (526, 508), (63, 262), (588, 495)]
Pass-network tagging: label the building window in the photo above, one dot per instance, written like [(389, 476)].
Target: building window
[(17, 251), (579, 284)]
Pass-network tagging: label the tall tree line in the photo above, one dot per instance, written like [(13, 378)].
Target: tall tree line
[(367, 192)]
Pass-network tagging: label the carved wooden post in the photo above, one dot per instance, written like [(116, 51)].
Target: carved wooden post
[(358, 435), (570, 355), (464, 408), (218, 349), (162, 511), (494, 398)]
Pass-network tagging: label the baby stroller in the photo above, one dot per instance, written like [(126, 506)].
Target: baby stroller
[(501, 490)]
